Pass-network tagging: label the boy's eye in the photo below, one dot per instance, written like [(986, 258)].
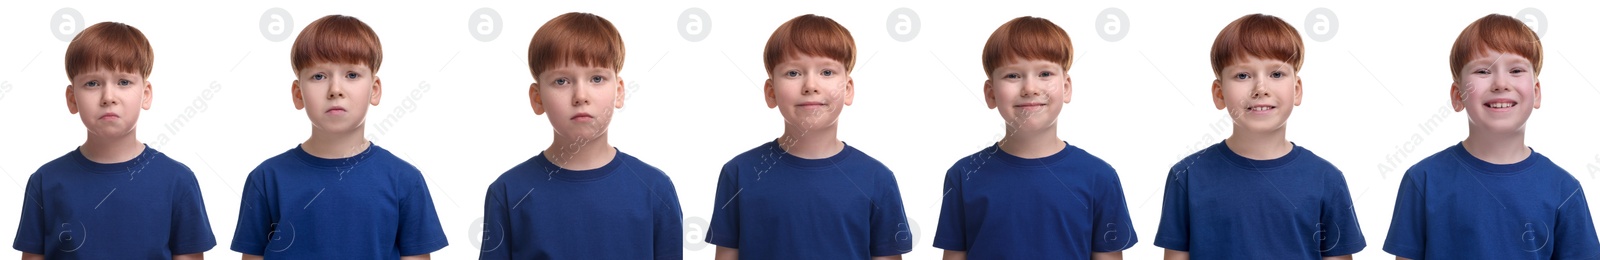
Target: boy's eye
[(318, 76), (1517, 70), (1277, 74), (1046, 74), (1241, 76), (561, 81), (792, 73), (1480, 71), (92, 83), (124, 82), (1012, 76), (827, 72), (351, 75), (597, 79)]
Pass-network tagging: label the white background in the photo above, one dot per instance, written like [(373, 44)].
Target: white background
[(1141, 103)]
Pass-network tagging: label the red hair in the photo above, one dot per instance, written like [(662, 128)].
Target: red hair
[(110, 45), (810, 35), (1258, 35), (1027, 38), (1496, 32), (336, 39), (579, 38)]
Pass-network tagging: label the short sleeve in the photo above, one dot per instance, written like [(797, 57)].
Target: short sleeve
[(1174, 230), (952, 231), (724, 229), (1339, 232), (1574, 233), (1113, 227), (419, 231), (891, 234), (255, 217), (191, 228), (496, 232), (1407, 229), (668, 221), (30, 228)]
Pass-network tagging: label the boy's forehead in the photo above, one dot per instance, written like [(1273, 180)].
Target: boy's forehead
[(1491, 56), (102, 71), (1256, 61), (802, 58)]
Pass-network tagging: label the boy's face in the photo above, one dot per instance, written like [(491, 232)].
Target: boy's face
[(1498, 90), (1257, 93), (809, 91), (579, 99), (335, 96), (1029, 93), (108, 101)]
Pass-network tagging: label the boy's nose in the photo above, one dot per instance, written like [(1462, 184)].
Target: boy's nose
[(335, 90)]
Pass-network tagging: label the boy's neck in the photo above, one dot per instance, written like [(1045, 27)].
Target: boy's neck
[(580, 154), (818, 143), (1507, 148), (1032, 144), (329, 145), (1260, 145), (115, 149)]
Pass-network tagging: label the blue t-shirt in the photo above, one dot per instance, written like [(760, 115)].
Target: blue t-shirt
[(368, 206), (145, 208), (773, 205), (1062, 206), (624, 210), (1455, 206), (1220, 205)]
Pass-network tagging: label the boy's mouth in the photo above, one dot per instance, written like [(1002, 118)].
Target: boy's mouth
[(1500, 104), (1261, 108), (811, 105), (109, 116), (1031, 106), (335, 110), (582, 117)]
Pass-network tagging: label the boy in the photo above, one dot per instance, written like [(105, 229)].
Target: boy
[(581, 198), (133, 200), (807, 195), (336, 196), (1256, 195), (1491, 196), (1031, 195)]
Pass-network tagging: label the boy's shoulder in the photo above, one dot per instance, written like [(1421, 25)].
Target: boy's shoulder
[(375, 158), (1456, 159), (770, 154), (1219, 156), (640, 168)]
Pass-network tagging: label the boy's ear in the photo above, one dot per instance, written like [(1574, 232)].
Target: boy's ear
[(1537, 96), (533, 98), (1457, 97), (72, 104), (377, 90), (299, 100), (849, 90), (1216, 94), (988, 93), (149, 94), (1297, 91), (622, 92), (1066, 89), (771, 94)]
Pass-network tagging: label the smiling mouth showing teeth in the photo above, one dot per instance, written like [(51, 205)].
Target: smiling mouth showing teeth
[(1501, 105), (1260, 108)]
